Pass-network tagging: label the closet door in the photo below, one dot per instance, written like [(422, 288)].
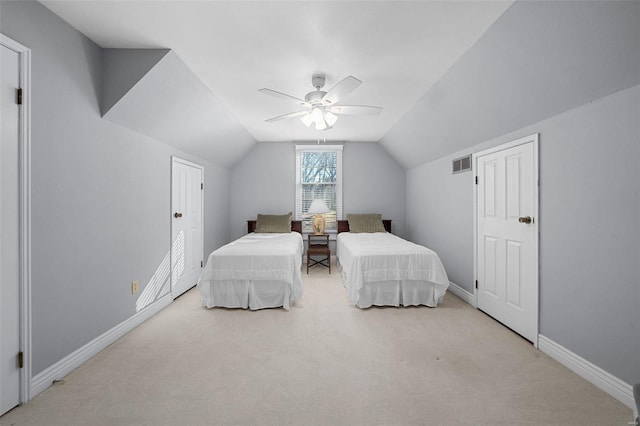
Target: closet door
[(507, 232), (187, 243), (9, 233)]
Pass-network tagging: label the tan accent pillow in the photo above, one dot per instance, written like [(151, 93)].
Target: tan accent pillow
[(271, 223), (359, 223)]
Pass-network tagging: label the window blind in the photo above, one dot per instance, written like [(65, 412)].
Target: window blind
[(319, 175)]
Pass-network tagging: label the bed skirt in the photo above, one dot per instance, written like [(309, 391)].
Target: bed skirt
[(246, 294), (397, 293)]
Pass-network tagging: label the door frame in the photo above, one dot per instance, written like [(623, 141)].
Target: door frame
[(179, 160), (24, 193), (534, 139)]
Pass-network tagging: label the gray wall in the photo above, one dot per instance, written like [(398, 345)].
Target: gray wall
[(374, 183), (569, 71), (439, 216), (100, 193), (264, 182), (589, 228), (590, 232)]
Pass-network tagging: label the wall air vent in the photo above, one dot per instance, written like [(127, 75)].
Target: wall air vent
[(462, 164)]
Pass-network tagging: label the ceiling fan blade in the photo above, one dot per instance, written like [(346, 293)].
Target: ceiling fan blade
[(340, 90), (290, 115), (284, 96), (355, 109)]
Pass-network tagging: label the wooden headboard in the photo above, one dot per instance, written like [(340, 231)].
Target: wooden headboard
[(296, 226), (343, 225)]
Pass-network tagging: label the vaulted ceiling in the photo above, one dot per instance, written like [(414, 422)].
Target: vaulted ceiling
[(398, 49), (449, 74)]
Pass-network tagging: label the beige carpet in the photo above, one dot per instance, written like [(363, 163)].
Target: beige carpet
[(322, 363)]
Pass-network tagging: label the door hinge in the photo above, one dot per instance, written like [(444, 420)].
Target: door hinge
[(476, 283), (202, 186), (201, 263), (476, 180), (19, 96), (20, 359)]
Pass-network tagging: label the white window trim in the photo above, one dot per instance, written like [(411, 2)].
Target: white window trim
[(298, 198)]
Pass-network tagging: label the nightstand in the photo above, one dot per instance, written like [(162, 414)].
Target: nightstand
[(318, 246)]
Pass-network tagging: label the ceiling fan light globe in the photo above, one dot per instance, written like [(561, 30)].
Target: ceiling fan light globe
[(330, 118), (321, 125), (316, 115), (307, 120)]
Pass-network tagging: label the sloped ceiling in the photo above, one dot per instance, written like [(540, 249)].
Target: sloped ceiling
[(123, 69), (449, 74), (538, 60), (153, 92), (398, 50)]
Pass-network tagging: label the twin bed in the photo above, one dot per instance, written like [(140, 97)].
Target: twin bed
[(263, 269), (259, 270), (381, 269)]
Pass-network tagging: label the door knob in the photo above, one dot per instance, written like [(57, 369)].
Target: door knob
[(177, 215), (525, 219)]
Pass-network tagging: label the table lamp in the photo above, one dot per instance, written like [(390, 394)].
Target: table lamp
[(318, 208)]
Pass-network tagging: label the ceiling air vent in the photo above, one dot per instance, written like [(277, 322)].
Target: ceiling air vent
[(462, 164)]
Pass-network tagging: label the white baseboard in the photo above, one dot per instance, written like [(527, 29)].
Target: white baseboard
[(463, 294), (74, 360), (610, 384)]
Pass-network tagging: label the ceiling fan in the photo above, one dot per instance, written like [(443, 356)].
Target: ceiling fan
[(321, 109)]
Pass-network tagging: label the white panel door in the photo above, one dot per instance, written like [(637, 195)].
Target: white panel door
[(507, 255), (187, 244), (9, 234)]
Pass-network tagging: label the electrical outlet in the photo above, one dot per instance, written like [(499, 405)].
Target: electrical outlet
[(134, 287)]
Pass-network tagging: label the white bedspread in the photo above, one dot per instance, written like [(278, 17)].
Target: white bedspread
[(256, 258), (384, 257)]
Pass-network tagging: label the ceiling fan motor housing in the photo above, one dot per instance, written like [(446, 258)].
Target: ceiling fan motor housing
[(315, 97)]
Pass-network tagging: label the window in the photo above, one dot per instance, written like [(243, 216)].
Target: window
[(319, 176)]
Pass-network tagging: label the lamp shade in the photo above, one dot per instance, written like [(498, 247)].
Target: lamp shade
[(318, 207)]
